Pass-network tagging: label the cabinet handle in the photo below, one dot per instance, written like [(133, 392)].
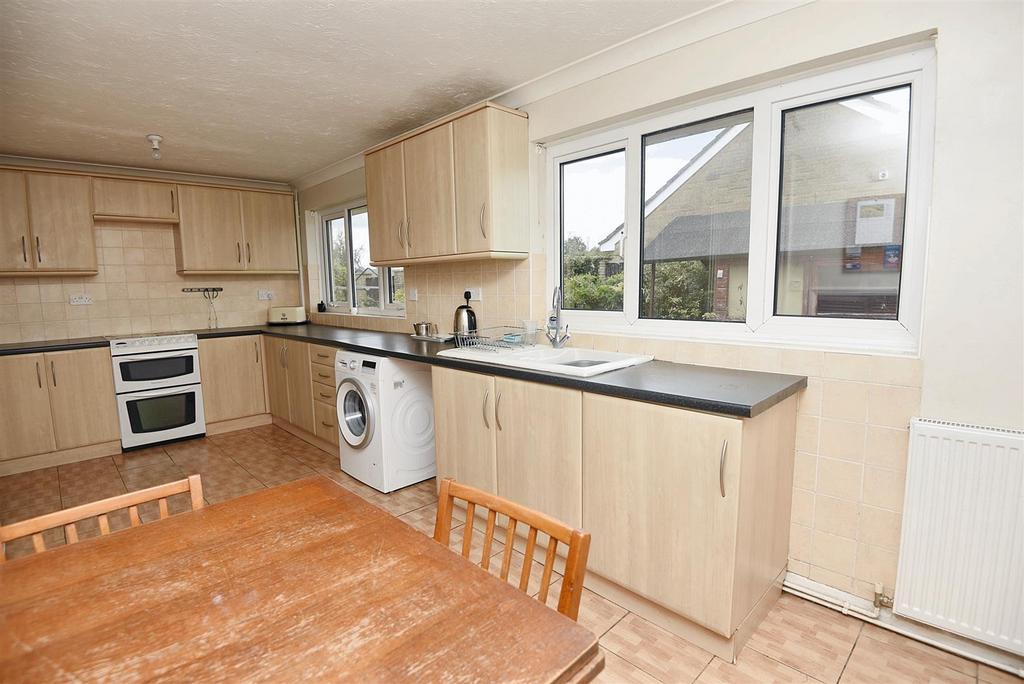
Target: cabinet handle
[(497, 409), (256, 347), (321, 375), (39, 250), (248, 253), (238, 251), (24, 252), (484, 409), (408, 239), (721, 468), (53, 374), (324, 395), (482, 229), (172, 200), (39, 377), (323, 356), (282, 354), (400, 241), (326, 424)]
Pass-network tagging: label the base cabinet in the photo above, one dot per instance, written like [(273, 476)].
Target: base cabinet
[(289, 384), (464, 429), (232, 372), (25, 420)]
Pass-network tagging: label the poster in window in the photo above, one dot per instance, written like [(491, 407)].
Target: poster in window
[(893, 256)]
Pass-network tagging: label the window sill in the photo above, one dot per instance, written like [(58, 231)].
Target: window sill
[(396, 313)]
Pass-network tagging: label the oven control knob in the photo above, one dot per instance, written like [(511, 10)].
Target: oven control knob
[(353, 365)]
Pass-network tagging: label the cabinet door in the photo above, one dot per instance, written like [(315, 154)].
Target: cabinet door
[(652, 500), (464, 427), (539, 454), (60, 214), (16, 247), (385, 203), (232, 372), (136, 199), (300, 385), (472, 183), (210, 232), (326, 427), (76, 380), (268, 220), (277, 377), (25, 421), (430, 193)]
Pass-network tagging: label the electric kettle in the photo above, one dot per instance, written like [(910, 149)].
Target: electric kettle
[(465, 317)]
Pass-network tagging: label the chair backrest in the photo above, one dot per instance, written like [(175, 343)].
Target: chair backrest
[(577, 541), (67, 518)]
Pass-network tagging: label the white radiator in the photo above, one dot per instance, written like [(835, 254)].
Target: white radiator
[(961, 565)]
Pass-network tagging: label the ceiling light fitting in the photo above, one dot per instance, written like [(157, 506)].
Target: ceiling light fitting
[(154, 144)]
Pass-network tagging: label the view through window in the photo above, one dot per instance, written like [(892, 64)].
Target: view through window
[(350, 279)]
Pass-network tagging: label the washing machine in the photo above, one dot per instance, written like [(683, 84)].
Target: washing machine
[(386, 420)]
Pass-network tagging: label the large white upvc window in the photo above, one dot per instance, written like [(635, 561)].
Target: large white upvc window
[(792, 215), (351, 284)]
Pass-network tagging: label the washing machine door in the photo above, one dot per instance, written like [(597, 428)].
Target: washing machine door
[(356, 418)]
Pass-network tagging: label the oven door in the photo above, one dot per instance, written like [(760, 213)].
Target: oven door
[(156, 369), (160, 415)]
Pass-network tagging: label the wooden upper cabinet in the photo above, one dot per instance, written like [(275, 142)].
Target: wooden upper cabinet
[(77, 379), (232, 372), (491, 182), (209, 237), (126, 199), (268, 222), (25, 421), (15, 239), (430, 193), (385, 199), (60, 218)]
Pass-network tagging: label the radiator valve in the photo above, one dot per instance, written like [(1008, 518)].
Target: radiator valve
[(881, 600)]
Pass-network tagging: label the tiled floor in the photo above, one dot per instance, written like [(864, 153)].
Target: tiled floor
[(798, 642)]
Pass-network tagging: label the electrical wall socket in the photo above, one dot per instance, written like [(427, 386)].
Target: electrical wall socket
[(476, 294), (80, 299), (264, 295)]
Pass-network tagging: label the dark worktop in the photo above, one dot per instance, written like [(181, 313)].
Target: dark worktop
[(704, 388)]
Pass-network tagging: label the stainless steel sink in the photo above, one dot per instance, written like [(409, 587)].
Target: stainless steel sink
[(582, 363)]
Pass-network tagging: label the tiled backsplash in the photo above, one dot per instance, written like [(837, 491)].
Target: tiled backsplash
[(137, 291)]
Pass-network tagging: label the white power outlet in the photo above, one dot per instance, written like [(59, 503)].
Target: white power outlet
[(476, 294), (264, 295), (80, 299)]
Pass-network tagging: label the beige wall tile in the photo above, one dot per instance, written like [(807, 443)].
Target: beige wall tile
[(801, 362), (895, 370), (836, 516), (834, 553), (847, 366), (887, 447), (808, 402), (879, 527), (807, 434), (893, 406), (883, 488), (833, 579), (842, 439), (841, 479), (844, 400), (875, 564), (803, 507), (805, 470), (800, 542)]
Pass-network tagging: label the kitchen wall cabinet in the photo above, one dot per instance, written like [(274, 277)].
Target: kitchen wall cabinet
[(268, 223), (25, 420), (15, 238), (46, 224), (290, 384), (77, 379), (226, 231), (129, 200), (454, 190), (464, 428), (491, 182), (232, 373), (385, 200)]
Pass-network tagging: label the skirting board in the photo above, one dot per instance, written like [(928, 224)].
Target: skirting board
[(56, 458), (725, 648), (234, 424)]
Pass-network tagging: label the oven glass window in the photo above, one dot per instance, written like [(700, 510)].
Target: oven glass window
[(162, 413), (156, 369)]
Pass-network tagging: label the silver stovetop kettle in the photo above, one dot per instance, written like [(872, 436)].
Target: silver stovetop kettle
[(465, 317)]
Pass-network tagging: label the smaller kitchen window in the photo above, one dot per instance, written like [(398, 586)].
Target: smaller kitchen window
[(351, 283)]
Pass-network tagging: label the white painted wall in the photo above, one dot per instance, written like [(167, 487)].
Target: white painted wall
[(973, 340)]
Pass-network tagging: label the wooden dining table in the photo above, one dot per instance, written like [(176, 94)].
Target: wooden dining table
[(305, 581)]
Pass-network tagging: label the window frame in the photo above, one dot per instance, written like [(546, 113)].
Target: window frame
[(761, 325), (388, 308)]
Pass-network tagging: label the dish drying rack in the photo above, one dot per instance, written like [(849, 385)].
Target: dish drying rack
[(497, 338)]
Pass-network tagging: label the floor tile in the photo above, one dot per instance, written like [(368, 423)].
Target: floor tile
[(25, 491), (619, 671), (813, 639), (142, 457), (878, 662), (89, 481), (750, 667), (597, 613), (918, 651), (515, 572), (990, 675), (269, 467), (655, 651), (152, 475)]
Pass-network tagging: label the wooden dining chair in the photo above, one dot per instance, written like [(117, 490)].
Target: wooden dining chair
[(577, 541), (68, 517)]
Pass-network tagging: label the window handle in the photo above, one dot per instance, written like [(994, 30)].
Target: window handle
[(483, 207)]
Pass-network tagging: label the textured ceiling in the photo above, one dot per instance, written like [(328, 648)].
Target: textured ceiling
[(274, 89)]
